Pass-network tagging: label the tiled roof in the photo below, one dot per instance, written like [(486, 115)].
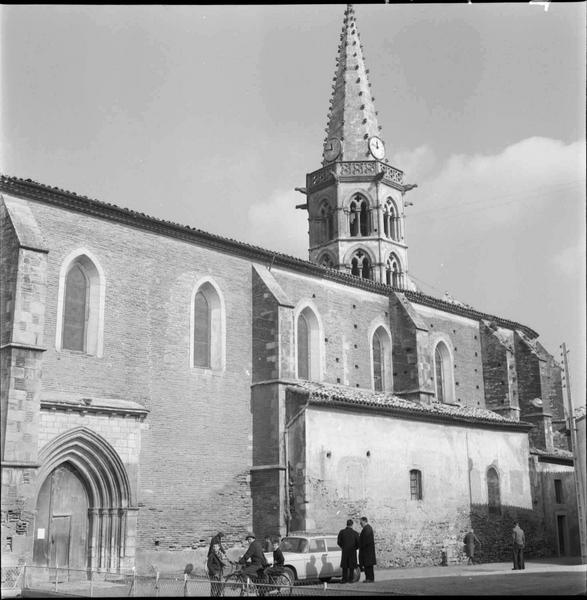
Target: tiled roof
[(556, 453), (97, 208), (331, 394)]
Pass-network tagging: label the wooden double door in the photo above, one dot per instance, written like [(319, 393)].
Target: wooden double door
[(62, 523)]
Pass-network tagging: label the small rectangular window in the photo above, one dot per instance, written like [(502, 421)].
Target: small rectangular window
[(558, 491), (416, 484)]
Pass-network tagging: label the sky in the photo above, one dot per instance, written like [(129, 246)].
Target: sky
[(210, 116)]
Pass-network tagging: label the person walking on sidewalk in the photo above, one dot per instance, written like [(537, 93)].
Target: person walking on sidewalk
[(348, 540), (518, 541), (367, 558), (470, 540)]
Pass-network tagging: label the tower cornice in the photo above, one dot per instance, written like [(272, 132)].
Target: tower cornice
[(356, 170)]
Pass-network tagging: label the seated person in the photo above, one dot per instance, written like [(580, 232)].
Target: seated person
[(277, 568), (255, 557)]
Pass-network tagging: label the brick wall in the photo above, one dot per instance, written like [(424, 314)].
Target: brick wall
[(406, 341), (499, 371), (347, 315), (197, 443), (465, 345), (530, 387), (553, 397)]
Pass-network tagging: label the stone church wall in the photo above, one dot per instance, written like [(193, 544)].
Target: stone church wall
[(359, 464)]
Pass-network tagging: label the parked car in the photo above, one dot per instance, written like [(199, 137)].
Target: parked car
[(311, 557)]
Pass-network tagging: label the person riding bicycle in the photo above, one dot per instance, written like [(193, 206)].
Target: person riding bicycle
[(253, 558)]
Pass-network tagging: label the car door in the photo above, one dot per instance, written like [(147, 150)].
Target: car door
[(317, 561), (333, 551)]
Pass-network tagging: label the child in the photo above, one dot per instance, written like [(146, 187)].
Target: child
[(278, 559)]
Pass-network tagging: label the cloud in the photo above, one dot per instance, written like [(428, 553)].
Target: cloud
[(276, 225), (571, 260), (417, 164), (533, 174)]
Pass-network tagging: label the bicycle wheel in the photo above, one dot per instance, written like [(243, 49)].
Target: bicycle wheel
[(233, 585), (282, 584)]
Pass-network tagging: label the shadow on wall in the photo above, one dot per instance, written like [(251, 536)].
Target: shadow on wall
[(494, 530)]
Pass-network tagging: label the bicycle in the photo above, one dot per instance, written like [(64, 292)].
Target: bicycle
[(238, 583)]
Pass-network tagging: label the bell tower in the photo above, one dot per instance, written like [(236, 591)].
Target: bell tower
[(355, 201)]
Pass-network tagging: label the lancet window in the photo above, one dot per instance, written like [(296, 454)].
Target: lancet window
[(393, 272), (81, 301), (361, 265), (208, 328), (381, 360), (308, 345), (493, 492), (391, 221), (359, 216), (443, 373), (326, 221)]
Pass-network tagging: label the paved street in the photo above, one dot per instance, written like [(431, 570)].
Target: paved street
[(549, 577)]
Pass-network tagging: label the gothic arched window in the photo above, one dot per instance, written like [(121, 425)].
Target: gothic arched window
[(81, 306), (381, 360), (326, 221), (493, 493), (393, 272), (361, 265), (202, 328), (308, 345), (208, 328), (75, 309), (359, 216), (443, 373), (391, 220)]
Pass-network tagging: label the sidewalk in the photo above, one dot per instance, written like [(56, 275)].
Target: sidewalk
[(551, 565)]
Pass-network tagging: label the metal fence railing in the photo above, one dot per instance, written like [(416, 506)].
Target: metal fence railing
[(11, 580), (90, 584)]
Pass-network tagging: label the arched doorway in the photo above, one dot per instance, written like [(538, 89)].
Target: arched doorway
[(84, 505), (62, 523)]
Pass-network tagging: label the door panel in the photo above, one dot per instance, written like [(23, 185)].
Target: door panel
[(60, 538), (61, 535)]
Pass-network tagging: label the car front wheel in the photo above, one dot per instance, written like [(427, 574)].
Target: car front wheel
[(291, 574)]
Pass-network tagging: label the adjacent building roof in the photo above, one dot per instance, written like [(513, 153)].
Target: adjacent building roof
[(341, 396), (556, 455), (71, 201)]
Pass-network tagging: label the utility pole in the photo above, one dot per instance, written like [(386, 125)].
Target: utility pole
[(578, 462)]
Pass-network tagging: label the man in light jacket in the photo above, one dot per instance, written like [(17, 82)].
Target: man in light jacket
[(518, 541)]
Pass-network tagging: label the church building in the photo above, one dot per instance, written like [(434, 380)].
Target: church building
[(160, 383)]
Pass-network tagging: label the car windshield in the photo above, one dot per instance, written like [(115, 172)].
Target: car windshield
[(294, 544)]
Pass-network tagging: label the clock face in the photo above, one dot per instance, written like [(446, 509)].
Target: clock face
[(332, 149), (376, 147)]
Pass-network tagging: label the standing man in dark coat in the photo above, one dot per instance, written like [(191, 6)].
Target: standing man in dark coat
[(348, 540), (367, 558)]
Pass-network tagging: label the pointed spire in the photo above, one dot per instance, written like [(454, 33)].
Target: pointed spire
[(352, 118)]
